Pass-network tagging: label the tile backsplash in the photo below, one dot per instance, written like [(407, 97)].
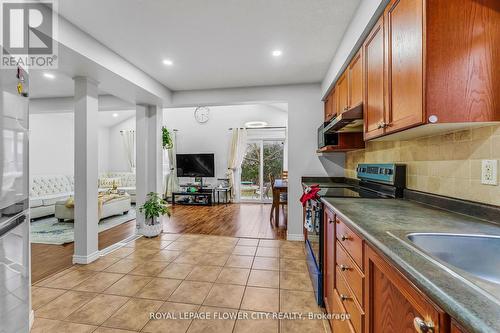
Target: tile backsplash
[(447, 164)]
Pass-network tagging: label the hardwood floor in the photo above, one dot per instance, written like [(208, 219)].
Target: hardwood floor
[(49, 259), (236, 220)]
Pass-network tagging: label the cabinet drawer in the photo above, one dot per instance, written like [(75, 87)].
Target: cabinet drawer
[(351, 272), (340, 326), (348, 301), (352, 243)]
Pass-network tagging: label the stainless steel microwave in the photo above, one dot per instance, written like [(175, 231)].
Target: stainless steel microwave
[(325, 139)]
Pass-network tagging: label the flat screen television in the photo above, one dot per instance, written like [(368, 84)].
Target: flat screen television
[(195, 165)]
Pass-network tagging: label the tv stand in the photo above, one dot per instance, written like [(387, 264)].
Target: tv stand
[(202, 197)]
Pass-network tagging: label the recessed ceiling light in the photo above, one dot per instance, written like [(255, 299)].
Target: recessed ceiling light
[(168, 62), (115, 115), (277, 53), (255, 124), (49, 76)]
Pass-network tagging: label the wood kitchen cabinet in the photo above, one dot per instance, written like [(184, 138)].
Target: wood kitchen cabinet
[(425, 68), (330, 106), (373, 71), (329, 260), (403, 28), (437, 65), (395, 305), (355, 80), (342, 89), (360, 281)]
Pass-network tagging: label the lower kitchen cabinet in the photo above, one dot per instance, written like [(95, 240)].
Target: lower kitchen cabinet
[(329, 260), (361, 282), (394, 304)]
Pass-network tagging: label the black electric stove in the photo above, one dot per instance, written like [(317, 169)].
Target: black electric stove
[(377, 181)]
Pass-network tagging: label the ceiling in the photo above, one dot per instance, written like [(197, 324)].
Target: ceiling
[(60, 85), (218, 43), (108, 119)]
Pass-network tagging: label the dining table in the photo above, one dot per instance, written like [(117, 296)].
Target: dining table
[(280, 186)]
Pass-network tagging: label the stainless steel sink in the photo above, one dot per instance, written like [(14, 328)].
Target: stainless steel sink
[(478, 255)]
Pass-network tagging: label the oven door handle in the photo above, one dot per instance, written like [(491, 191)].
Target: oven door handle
[(7, 226)]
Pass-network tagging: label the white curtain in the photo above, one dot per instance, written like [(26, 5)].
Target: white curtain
[(128, 137), (172, 180), (237, 149)]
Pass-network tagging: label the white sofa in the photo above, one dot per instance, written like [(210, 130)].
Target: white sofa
[(46, 190), (126, 182)]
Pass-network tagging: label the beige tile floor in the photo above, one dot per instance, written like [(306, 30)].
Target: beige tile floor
[(181, 274)]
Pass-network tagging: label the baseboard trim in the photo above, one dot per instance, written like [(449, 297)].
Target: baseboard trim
[(83, 260), (116, 246), (294, 237)]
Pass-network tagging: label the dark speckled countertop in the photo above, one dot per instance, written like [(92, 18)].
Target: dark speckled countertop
[(384, 222)]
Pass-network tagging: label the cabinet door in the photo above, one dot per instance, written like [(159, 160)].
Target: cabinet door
[(329, 260), (393, 303), (334, 109), (373, 99), (355, 81), (403, 25), (343, 93), (328, 105)]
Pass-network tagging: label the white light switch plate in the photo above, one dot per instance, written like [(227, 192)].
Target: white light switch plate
[(489, 172)]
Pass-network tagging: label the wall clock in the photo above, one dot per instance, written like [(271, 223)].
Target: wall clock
[(201, 114)]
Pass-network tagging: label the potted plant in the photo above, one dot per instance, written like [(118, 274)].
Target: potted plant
[(153, 209), (166, 139)]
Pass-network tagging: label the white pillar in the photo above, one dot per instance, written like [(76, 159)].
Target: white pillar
[(149, 157), (86, 159)]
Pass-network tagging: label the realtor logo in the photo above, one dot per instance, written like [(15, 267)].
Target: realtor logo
[(28, 31)]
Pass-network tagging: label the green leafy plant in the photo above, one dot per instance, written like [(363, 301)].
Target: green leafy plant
[(166, 138), (154, 207)]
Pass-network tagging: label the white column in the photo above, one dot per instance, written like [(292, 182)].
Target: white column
[(149, 157), (155, 153), (141, 176), (86, 159)]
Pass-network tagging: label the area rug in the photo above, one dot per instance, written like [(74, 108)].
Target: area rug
[(50, 231)]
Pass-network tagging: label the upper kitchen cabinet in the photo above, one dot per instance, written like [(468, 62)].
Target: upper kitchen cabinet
[(439, 68), (373, 71), (330, 106), (355, 79), (403, 22), (342, 90)]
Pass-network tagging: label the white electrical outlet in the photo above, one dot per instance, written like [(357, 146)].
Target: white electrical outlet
[(489, 172)]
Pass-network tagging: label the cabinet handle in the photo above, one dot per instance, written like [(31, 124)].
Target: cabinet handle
[(344, 238), (330, 221), (422, 326), (344, 268), (344, 297)]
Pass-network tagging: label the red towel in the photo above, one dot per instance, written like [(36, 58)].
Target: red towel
[(310, 193)]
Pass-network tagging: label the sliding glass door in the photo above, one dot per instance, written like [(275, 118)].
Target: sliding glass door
[(263, 162)]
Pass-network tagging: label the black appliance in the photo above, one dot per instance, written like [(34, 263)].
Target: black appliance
[(195, 165), (377, 181), (326, 139)]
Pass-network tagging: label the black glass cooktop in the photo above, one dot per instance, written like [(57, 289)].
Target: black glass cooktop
[(350, 192)]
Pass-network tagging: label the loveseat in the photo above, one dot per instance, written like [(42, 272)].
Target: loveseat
[(46, 190)]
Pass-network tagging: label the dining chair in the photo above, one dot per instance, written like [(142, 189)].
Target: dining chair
[(279, 198)]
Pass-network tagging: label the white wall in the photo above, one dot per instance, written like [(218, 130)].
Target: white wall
[(361, 23), (117, 156), (305, 114), (214, 135), (52, 140)]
